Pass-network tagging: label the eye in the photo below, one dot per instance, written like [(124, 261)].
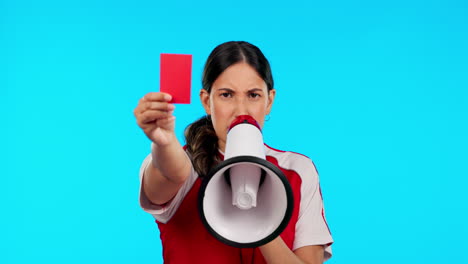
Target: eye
[(254, 95), (225, 95)]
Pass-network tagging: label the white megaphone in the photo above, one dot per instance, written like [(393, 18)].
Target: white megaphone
[(245, 201)]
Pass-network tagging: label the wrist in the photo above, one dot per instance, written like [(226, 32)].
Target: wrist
[(163, 151), (155, 148)]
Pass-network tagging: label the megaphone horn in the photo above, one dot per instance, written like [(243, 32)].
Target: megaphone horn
[(245, 201)]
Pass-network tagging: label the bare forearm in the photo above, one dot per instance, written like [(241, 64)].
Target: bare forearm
[(278, 252), (169, 169), (172, 161)]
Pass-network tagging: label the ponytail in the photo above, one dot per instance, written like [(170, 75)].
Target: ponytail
[(202, 145)]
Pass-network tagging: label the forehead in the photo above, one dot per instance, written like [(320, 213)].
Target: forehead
[(239, 76)]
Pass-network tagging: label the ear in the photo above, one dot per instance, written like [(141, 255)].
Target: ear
[(205, 100), (271, 98)]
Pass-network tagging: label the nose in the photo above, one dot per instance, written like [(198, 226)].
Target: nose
[(241, 107)]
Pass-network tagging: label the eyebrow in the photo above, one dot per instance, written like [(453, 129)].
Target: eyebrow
[(255, 90), (226, 89), (232, 91)]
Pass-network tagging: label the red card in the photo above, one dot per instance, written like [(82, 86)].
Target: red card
[(175, 77)]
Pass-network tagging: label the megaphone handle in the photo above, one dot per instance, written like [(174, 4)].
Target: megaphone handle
[(227, 177)]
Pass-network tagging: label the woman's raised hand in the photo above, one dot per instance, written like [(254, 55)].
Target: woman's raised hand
[(154, 116)]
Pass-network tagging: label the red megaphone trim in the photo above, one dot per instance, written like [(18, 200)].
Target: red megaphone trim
[(244, 119)]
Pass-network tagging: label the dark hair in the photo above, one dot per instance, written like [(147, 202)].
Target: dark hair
[(202, 142)]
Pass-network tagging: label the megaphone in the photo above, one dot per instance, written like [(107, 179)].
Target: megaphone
[(245, 201)]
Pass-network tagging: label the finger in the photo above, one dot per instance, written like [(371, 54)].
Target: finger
[(144, 106), (157, 106), (159, 96), (151, 116), (163, 122), (166, 123)]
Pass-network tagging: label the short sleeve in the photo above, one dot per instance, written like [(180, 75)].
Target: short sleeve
[(312, 227), (163, 213)]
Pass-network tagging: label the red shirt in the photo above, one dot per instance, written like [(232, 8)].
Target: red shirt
[(186, 240)]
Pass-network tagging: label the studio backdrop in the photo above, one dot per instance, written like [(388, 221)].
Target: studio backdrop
[(375, 93)]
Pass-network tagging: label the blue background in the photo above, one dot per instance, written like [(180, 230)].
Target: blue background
[(376, 93)]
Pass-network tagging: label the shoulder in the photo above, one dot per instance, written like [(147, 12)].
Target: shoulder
[(290, 160)]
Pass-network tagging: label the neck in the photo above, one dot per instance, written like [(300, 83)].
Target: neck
[(222, 145)]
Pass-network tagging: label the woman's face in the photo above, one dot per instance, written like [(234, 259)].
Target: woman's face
[(239, 90)]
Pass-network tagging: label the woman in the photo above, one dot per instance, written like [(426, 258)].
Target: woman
[(237, 80)]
